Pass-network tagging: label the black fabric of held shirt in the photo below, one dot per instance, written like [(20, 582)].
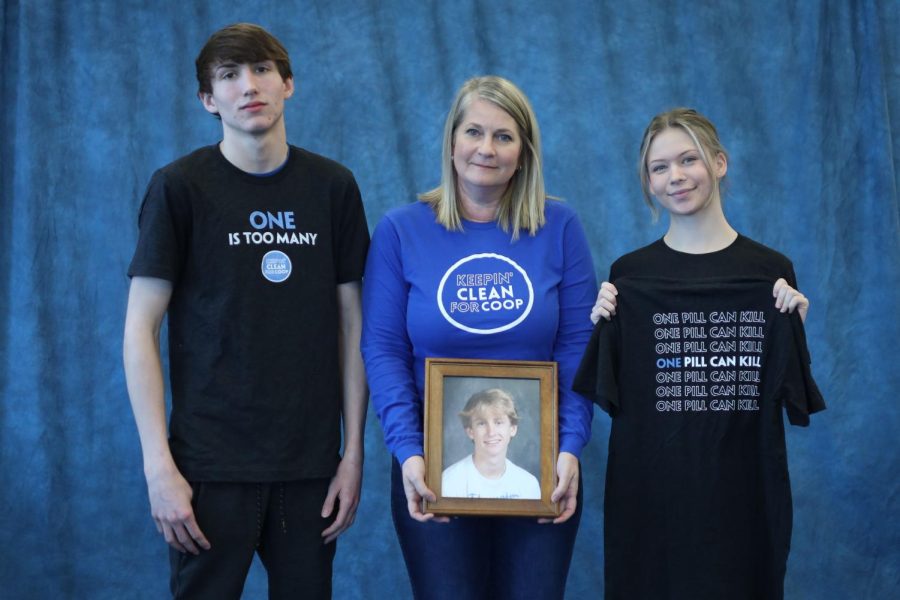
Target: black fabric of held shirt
[(695, 374)]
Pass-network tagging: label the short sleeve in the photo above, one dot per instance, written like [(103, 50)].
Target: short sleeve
[(793, 385), (164, 228), (351, 235), (597, 376)]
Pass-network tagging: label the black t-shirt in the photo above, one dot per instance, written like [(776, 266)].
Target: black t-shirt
[(253, 339), (695, 369)]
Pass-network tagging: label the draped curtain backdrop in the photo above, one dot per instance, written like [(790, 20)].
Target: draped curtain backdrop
[(98, 94)]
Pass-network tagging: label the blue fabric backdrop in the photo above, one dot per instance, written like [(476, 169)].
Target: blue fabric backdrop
[(96, 95)]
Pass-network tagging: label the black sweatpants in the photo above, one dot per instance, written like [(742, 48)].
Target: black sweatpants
[(280, 521)]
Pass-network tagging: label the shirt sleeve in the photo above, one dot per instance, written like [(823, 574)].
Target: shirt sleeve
[(793, 384), (351, 236), (577, 292), (386, 347), (597, 376), (164, 226)]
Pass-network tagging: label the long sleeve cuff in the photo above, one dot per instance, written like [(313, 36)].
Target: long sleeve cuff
[(572, 444), (408, 450)]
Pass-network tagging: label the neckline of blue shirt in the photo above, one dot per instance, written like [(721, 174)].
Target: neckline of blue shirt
[(273, 171)]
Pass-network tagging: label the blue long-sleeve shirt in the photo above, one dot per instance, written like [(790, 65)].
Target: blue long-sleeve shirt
[(429, 292)]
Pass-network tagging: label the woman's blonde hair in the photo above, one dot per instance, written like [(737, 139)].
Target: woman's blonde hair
[(522, 204), (701, 131)]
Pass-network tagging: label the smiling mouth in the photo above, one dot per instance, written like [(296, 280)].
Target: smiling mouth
[(681, 193)]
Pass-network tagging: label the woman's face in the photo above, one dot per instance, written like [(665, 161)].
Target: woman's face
[(490, 431), (486, 148), (678, 178)]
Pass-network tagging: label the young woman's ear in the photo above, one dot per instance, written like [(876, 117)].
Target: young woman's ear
[(721, 165)]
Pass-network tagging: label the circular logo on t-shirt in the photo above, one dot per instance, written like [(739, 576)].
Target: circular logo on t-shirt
[(276, 266), (485, 293)]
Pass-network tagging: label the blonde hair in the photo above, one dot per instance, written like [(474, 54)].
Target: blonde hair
[(522, 204), (491, 398), (699, 129)]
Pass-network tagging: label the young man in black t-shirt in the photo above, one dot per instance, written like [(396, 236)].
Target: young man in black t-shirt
[(254, 249)]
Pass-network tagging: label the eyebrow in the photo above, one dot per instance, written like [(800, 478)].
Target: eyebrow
[(480, 126), (650, 162), (232, 63)]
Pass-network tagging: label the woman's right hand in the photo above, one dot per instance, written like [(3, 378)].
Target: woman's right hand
[(413, 470), (606, 302)]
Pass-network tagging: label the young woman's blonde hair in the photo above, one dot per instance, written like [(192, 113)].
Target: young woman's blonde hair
[(522, 204), (699, 129)]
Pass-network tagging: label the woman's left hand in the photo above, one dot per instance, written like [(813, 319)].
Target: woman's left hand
[(567, 489), (787, 299)]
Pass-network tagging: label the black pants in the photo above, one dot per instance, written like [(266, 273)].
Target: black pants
[(280, 521)]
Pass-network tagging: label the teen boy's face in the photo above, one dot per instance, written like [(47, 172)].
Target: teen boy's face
[(490, 431), (248, 97)]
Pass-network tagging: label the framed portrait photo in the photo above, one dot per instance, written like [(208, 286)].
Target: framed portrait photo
[(491, 438)]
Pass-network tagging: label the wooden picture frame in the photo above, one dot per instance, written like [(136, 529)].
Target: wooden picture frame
[(531, 442)]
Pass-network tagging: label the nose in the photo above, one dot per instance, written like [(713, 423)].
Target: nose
[(675, 173), (486, 147), (248, 81)]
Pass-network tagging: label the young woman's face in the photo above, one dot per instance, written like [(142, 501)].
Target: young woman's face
[(490, 431), (678, 178)]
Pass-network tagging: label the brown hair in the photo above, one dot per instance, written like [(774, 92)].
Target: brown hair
[(240, 43)]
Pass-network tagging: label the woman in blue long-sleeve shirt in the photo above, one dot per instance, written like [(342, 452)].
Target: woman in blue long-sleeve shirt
[(485, 266)]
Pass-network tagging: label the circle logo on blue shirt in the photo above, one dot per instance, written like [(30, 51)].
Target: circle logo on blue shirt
[(276, 266), (485, 293)]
